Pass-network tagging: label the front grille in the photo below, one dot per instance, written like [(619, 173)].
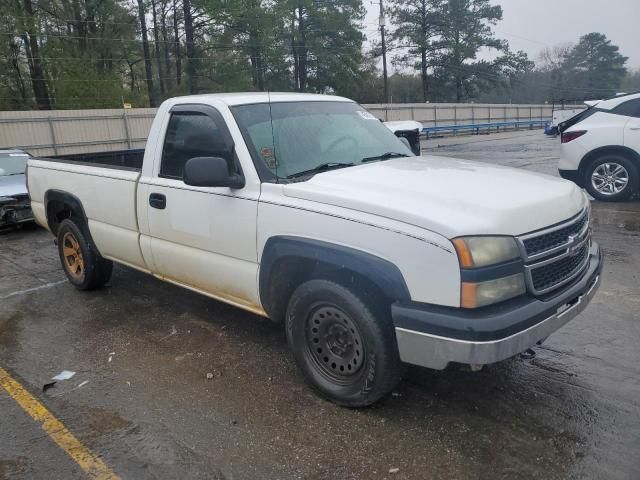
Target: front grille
[(548, 241), (556, 255), (548, 276)]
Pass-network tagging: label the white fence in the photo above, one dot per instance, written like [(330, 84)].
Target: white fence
[(62, 132), (438, 114)]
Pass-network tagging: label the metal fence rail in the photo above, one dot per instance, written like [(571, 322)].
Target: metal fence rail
[(63, 132), (477, 127), (435, 114)]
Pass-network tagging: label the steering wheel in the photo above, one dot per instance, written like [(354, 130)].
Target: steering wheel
[(343, 138)]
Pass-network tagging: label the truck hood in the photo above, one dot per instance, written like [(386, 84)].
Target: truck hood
[(12, 185), (447, 196)]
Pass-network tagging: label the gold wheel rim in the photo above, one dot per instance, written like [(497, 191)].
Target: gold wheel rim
[(73, 259)]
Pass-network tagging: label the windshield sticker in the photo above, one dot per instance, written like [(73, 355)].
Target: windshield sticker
[(366, 115), (269, 158)]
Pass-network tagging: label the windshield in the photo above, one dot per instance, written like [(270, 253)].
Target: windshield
[(13, 163), (308, 137)]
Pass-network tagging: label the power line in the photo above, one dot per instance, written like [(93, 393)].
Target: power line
[(52, 19), (522, 38), (172, 42)]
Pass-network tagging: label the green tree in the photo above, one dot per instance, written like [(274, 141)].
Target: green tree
[(511, 69), (326, 43), (406, 88), (466, 28), (253, 31), (27, 25), (596, 66), (417, 25), (14, 76), (631, 82)]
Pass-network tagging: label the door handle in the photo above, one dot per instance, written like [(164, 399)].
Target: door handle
[(634, 128), (158, 200)]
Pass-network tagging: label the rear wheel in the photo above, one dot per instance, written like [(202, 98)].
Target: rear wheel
[(611, 178), (345, 347), (84, 266)]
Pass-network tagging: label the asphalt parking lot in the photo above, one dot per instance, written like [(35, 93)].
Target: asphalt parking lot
[(143, 402)]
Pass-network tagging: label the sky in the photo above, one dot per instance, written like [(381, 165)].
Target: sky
[(532, 25)]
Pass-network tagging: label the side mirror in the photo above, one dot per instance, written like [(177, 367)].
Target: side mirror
[(210, 172), (405, 142)]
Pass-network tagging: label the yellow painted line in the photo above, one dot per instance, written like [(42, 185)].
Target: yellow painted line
[(85, 458)]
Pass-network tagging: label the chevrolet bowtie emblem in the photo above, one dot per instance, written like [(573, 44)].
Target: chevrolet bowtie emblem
[(571, 245)]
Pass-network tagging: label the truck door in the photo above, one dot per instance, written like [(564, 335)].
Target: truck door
[(202, 237)]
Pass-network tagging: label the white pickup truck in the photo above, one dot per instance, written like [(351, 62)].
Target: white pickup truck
[(307, 210)]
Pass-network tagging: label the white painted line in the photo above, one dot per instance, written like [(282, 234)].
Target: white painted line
[(34, 289)]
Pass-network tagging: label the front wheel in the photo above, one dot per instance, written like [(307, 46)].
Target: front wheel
[(611, 178), (346, 348)]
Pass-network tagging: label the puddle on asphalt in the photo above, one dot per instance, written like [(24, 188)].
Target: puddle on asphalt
[(18, 465), (623, 216), (9, 328), (615, 256), (103, 421), (633, 226)]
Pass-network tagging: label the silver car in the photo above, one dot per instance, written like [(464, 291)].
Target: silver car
[(15, 207)]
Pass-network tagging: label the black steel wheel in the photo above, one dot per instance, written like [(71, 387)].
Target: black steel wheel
[(334, 343), (344, 345)]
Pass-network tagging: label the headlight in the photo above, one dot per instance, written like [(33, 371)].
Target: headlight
[(483, 251), (478, 252), (492, 291)]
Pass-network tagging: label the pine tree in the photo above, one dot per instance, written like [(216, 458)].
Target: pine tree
[(596, 66), (417, 25)]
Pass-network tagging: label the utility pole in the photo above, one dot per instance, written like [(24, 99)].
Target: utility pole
[(381, 22)]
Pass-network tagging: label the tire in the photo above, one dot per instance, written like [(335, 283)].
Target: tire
[(346, 348), (611, 178), (80, 260)]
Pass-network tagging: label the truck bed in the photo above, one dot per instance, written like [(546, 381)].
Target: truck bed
[(104, 187), (121, 159)]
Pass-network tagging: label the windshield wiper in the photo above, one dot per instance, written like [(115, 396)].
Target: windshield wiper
[(384, 156), (323, 167)]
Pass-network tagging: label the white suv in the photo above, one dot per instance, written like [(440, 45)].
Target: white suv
[(601, 148)]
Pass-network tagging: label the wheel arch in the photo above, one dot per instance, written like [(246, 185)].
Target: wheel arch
[(60, 205), (609, 149), (592, 156), (288, 261)]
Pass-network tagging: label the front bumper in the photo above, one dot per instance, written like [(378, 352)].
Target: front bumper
[(15, 210), (432, 336)]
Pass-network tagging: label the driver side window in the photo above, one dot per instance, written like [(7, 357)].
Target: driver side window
[(189, 135)]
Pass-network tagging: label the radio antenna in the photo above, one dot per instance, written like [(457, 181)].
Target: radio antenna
[(273, 138)]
